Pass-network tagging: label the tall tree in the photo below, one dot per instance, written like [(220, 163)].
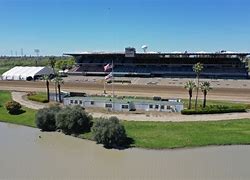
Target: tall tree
[(190, 85), (52, 63), (58, 82), (46, 78), (197, 68), (205, 87)]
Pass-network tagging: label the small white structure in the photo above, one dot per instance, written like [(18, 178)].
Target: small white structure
[(121, 105), (26, 73)]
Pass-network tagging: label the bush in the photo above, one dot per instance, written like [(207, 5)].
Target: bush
[(45, 118), (109, 132), (214, 109), (13, 107), (73, 120)]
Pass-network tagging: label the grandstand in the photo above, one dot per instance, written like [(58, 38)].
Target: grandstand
[(150, 64)]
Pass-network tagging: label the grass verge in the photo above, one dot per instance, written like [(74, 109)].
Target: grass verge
[(169, 135), (38, 97)]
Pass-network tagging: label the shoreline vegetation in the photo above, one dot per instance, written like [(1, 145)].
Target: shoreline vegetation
[(158, 135)]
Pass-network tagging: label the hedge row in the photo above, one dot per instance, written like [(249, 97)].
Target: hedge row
[(214, 110), (38, 97)]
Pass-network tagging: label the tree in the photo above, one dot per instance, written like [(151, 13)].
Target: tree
[(46, 118), (109, 132), (197, 68), (13, 107), (205, 87), (46, 78), (58, 82), (73, 120), (52, 62), (190, 85)]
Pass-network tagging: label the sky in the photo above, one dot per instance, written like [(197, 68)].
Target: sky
[(60, 26)]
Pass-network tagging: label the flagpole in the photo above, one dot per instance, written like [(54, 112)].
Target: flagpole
[(113, 84), (104, 86)]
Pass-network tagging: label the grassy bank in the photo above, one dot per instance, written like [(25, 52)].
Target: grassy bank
[(26, 118), (159, 135)]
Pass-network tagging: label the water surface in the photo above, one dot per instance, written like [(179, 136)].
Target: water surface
[(24, 155)]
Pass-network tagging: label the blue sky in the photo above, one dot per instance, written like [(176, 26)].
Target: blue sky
[(58, 26)]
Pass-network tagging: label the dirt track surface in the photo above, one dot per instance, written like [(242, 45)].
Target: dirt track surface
[(231, 94)]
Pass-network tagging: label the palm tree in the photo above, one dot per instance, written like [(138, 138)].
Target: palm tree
[(205, 87), (58, 81), (197, 68), (52, 63), (46, 78), (190, 85)]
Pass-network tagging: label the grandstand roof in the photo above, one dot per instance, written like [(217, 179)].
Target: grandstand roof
[(23, 72), (163, 53)]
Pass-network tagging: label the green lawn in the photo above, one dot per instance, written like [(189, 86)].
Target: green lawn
[(39, 97), (26, 118), (158, 135)]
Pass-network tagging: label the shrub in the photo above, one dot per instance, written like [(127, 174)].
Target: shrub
[(13, 107), (214, 109), (109, 132), (45, 118), (73, 120)]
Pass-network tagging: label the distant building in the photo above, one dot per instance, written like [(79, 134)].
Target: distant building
[(221, 64)]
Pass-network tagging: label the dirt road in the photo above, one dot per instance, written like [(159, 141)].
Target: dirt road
[(231, 94)]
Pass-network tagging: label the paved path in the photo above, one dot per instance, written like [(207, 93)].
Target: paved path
[(22, 99), (174, 117)]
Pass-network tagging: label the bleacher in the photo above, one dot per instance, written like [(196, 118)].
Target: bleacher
[(163, 65)]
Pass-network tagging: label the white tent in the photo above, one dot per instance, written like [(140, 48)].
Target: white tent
[(24, 72)]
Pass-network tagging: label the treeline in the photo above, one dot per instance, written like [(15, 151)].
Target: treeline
[(32, 61)]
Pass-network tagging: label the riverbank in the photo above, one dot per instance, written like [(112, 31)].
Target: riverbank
[(159, 135)]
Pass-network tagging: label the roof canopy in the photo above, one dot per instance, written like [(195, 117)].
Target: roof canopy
[(23, 72)]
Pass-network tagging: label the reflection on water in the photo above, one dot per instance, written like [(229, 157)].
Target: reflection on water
[(25, 155)]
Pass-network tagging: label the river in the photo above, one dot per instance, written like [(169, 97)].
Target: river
[(27, 153)]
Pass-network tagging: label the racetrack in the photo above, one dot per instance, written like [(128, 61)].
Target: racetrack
[(166, 91)]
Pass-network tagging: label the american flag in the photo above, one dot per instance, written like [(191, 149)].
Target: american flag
[(110, 75), (107, 67)]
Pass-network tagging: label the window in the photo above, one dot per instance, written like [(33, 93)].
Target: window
[(108, 105), (76, 102), (151, 106), (80, 102), (92, 102), (156, 106), (124, 106), (162, 106), (71, 101), (168, 107)]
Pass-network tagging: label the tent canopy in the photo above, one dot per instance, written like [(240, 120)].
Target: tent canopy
[(24, 72)]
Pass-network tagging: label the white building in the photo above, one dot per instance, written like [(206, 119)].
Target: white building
[(121, 105), (26, 73)]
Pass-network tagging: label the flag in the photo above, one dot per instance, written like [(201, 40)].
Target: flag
[(107, 67), (110, 75)]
